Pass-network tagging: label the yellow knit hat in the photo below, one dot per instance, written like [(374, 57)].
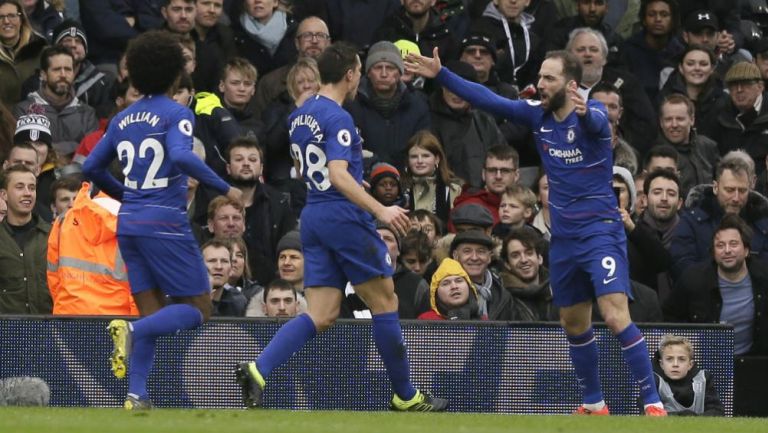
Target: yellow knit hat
[(448, 268)]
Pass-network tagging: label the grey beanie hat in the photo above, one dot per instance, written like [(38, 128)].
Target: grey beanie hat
[(630, 181), (290, 241), (384, 51)]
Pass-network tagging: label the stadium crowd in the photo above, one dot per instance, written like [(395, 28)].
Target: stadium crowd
[(682, 81)]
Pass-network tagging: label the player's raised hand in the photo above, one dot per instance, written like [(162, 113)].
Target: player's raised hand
[(235, 194), (579, 104), (395, 217), (424, 66)]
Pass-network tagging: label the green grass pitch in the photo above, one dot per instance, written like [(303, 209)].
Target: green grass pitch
[(81, 420)]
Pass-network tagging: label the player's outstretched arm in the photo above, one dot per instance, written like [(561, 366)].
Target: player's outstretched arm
[(394, 216), (476, 94)]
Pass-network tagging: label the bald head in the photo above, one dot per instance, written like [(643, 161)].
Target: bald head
[(312, 37)]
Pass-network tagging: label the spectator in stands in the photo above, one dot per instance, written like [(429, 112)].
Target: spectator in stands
[(92, 87), (474, 250), (110, 26), (240, 276), (663, 156), (516, 208), (732, 288), (589, 13), (655, 46), (479, 50), (23, 154), (44, 16), (760, 53), (123, 94), (731, 193), (695, 78), (743, 120), (3, 209), (428, 181), (466, 133), (209, 31), (237, 87), (23, 246), (264, 33), (683, 387), (35, 130), (521, 50), (641, 201), (280, 299), (427, 223), (541, 221), (524, 275), (179, 16), (18, 62), (701, 27), (452, 295), (70, 119), (290, 268), (268, 215), (697, 154), (63, 191), (408, 284), (303, 81), (418, 21), (385, 185), (7, 129), (385, 110), (472, 216), (416, 253), (637, 123), (86, 272), (312, 38), (499, 171), (357, 22), (227, 299), (624, 155)]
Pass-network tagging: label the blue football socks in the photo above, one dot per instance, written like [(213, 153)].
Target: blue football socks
[(583, 351), (165, 321), (388, 336), (635, 353), (289, 339)]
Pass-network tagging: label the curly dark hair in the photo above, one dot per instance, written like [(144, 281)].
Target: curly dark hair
[(155, 61)]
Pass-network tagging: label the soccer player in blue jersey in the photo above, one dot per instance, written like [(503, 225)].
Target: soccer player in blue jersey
[(152, 140), (339, 238), (588, 247)]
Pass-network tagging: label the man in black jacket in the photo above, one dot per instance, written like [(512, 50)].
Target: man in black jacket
[(732, 288)]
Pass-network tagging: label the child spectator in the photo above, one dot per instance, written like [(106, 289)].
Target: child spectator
[(515, 209), (683, 387), (385, 185)]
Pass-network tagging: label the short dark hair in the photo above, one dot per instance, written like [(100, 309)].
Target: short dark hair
[(661, 172), (70, 183), (335, 61), (217, 243), (186, 82), (571, 65), (699, 47), (673, 8), (734, 221), (5, 174), (504, 153), (661, 151), (424, 214), (246, 142), (55, 50), (155, 61), (525, 236), (606, 87), (278, 284), (416, 242)]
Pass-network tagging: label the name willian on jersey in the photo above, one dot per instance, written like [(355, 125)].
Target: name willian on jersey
[(141, 116), (309, 121)]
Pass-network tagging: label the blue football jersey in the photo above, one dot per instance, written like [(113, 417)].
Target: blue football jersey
[(152, 139), (322, 131), (575, 152)]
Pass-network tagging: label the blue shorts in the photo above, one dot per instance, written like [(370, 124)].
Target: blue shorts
[(583, 269), (176, 267), (341, 244)]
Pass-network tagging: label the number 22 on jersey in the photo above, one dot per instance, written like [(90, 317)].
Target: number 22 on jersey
[(126, 151)]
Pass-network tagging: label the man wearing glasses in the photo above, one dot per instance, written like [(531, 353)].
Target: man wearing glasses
[(499, 172), (312, 38), (744, 118)]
